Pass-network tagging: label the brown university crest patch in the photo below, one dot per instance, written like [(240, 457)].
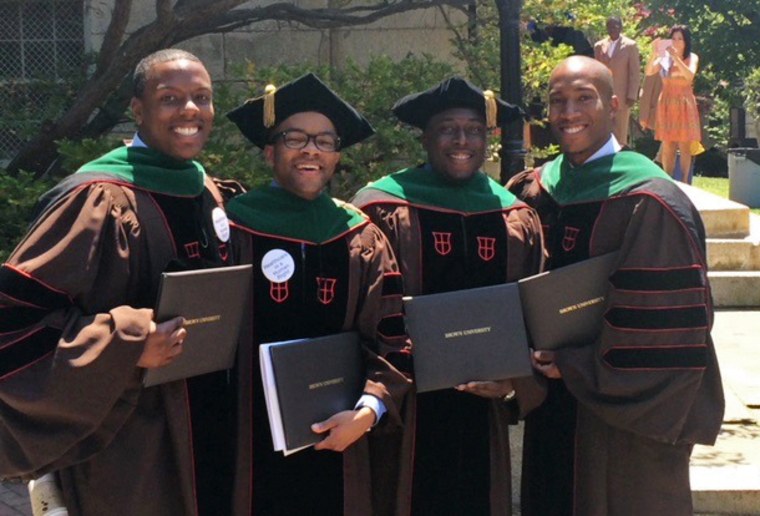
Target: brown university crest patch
[(486, 248), (326, 290), (278, 291), (223, 252), (568, 241), (442, 242), (193, 250)]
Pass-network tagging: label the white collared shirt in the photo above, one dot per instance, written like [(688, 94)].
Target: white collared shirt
[(612, 46), (137, 142), (611, 147)]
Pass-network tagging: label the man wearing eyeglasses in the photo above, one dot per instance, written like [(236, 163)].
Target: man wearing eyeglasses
[(336, 273), (453, 228)]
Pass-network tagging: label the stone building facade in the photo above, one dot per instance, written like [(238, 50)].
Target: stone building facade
[(269, 43), (41, 39)]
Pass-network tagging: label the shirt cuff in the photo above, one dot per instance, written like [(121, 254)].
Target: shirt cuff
[(374, 403)]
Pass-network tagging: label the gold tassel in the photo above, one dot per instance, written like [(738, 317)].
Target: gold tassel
[(269, 115), (490, 109)]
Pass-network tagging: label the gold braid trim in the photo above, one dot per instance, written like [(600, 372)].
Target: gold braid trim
[(269, 114), (490, 108)]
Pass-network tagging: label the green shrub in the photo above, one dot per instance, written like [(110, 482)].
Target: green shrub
[(372, 89), (76, 153), (18, 195)]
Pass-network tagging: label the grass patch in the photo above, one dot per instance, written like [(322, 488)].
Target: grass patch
[(715, 185)]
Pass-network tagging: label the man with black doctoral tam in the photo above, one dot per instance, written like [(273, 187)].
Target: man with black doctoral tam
[(77, 329), (452, 228), (337, 274), (623, 411)]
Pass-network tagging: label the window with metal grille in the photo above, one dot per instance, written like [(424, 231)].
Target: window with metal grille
[(41, 48)]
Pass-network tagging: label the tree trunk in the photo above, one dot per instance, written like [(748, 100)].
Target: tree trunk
[(36, 156)]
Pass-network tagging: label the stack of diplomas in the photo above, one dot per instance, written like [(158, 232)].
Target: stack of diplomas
[(306, 381)]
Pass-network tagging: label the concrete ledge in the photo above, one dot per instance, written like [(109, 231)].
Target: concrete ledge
[(722, 218), (735, 288), (726, 490), (732, 254)]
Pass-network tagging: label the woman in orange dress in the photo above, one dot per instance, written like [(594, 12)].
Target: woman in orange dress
[(677, 124)]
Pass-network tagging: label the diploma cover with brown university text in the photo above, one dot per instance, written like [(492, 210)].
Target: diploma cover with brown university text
[(467, 335), (212, 301), (307, 381)]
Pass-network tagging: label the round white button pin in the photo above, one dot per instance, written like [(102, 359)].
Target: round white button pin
[(278, 266), (221, 224)]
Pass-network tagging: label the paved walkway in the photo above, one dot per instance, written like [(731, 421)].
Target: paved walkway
[(14, 500), (725, 478)]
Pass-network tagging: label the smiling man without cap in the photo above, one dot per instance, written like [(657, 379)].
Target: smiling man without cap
[(77, 329), (624, 411), (453, 228)]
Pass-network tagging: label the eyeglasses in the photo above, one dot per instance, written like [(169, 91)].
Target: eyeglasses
[(297, 139)]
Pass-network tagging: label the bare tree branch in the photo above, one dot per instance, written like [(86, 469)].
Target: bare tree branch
[(164, 13), (324, 18), (114, 34), (105, 94), (461, 41)]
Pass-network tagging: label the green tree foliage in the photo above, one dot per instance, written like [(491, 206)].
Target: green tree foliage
[(478, 42), (18, 196), (477, 45), (372, 89), (725, 34)]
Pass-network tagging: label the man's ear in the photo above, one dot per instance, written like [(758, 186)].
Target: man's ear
[(269, 154), (614, 104), (137, 110)]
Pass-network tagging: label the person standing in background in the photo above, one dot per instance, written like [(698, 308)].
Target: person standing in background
[(621, 55), (677, 123)]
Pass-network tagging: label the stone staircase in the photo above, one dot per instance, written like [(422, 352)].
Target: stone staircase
[(725, 478), (733, 249)]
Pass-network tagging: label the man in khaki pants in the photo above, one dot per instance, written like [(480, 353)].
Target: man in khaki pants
[(621, 55)]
